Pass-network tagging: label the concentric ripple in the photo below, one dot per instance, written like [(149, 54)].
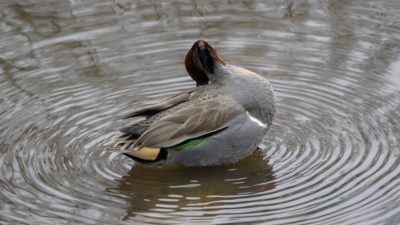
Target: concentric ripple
[(70, 70)]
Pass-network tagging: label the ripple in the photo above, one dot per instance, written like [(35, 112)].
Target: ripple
[(332, 156)]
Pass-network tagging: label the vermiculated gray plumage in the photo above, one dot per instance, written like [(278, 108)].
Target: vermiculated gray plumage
[(227, 118)]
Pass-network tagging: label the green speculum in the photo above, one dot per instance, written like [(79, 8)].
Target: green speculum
[(187, 144)]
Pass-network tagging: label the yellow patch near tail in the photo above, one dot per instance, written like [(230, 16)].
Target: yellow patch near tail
[(146, 153)]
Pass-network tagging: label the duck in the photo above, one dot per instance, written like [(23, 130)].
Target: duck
[(220, 121)]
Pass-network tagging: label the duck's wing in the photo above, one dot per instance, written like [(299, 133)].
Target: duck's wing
[(206, 115), (153, 109)]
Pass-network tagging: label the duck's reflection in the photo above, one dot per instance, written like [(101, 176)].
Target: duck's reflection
[(170, 189)]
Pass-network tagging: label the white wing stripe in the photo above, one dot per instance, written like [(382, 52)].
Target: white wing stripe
[(257, 121)]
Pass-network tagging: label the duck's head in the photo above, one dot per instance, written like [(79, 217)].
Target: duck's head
[(201, 61)]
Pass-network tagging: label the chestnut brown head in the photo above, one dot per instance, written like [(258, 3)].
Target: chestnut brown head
[(200, 61)]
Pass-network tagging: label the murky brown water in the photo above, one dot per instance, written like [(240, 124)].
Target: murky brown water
[(68, 69)]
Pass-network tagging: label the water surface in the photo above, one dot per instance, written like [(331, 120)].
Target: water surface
[(69, 69)]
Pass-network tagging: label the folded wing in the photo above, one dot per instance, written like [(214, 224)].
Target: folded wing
[(202, 116)]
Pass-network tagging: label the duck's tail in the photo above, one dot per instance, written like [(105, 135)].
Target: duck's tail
[(122, 140)]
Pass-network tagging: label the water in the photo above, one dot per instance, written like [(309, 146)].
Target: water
[(69, 69)]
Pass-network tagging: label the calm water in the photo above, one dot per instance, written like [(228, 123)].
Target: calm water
[(68, 69)]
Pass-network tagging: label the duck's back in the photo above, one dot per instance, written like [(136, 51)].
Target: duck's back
[(252, 91)]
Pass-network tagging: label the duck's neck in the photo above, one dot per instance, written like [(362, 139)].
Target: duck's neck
[(221, 75)]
